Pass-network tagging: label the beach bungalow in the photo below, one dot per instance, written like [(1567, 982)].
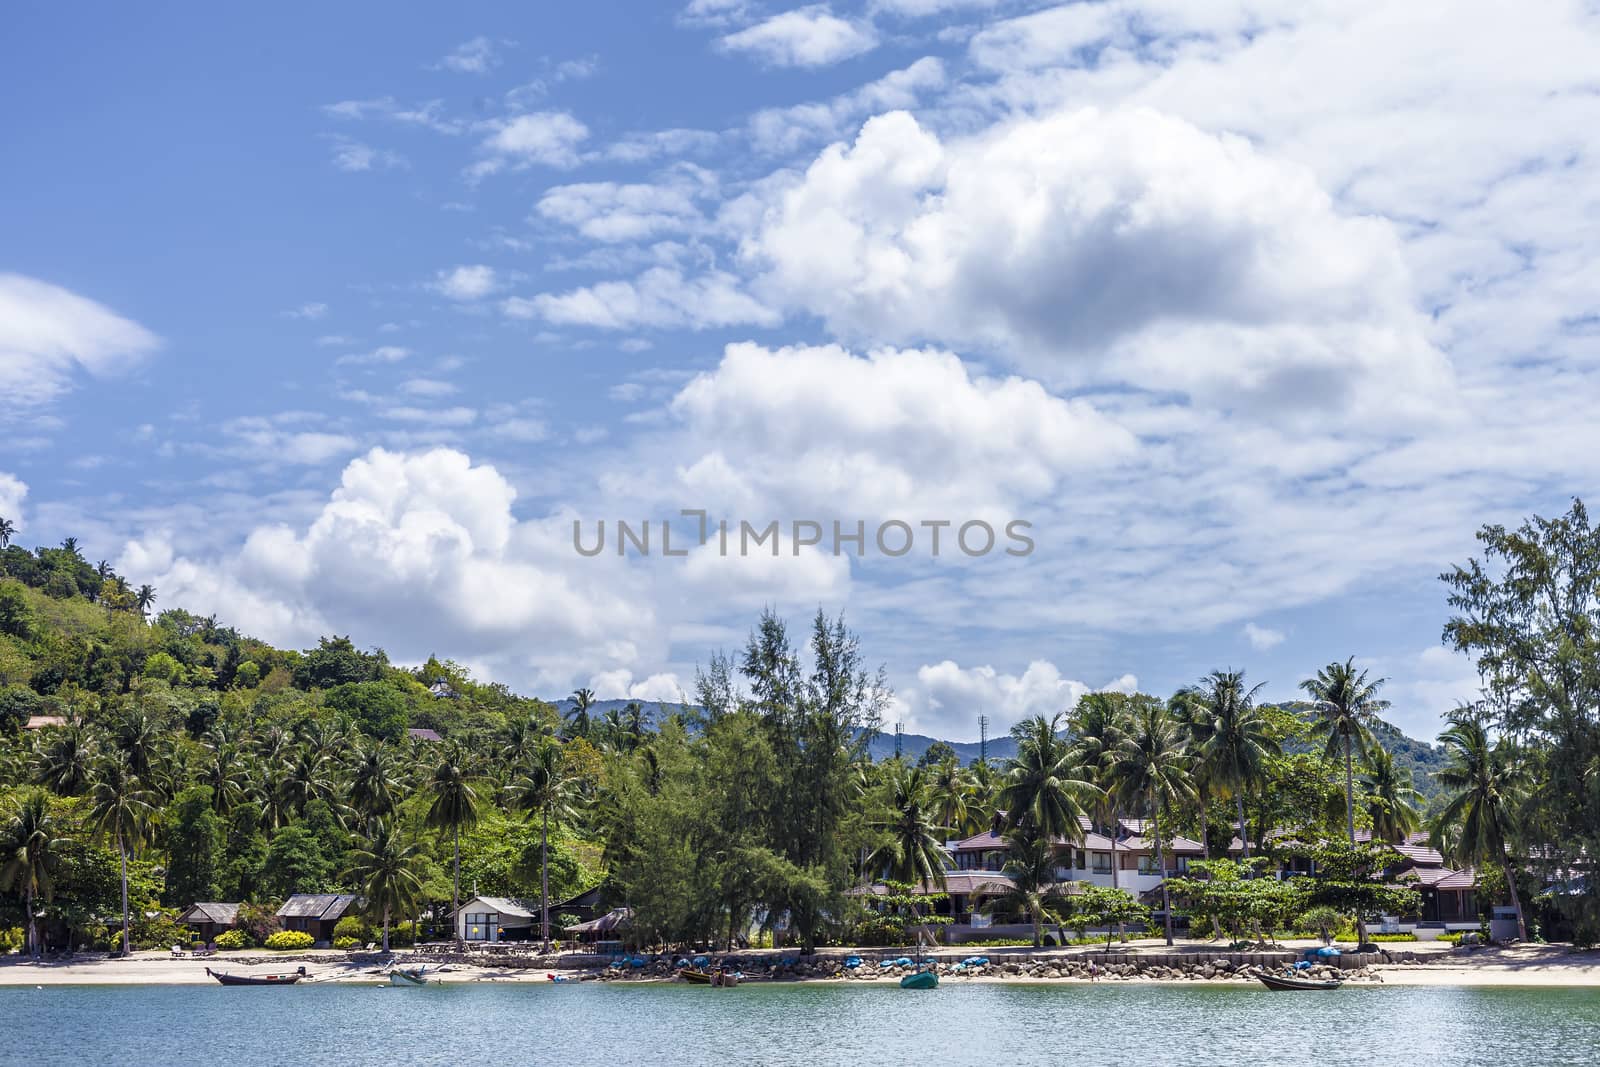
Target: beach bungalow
[(207, 920), (607, 928), (421, 734), (495, 919), (316, 913)]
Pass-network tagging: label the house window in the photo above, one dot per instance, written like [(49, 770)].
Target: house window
[(483, 926), (1102, 863), (1082, 860), (1147, 865)]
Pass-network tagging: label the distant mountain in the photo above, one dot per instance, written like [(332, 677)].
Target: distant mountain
[(1421, 757)]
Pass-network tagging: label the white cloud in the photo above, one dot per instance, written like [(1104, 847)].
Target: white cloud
[(1262, 638), (307, 311), (548, 138), (805, 37), (429, 115), (13, 491), (466, 283), (276, 440), (49, 334), (948, 698), (381, 354), (619, 685), (477, 56), (613, 211), (660, 297), (453, 416), (1095, 245), (428, 387), (354, 157), (780, 131)]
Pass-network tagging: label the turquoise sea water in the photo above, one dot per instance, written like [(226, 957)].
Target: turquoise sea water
[(579, 1025)]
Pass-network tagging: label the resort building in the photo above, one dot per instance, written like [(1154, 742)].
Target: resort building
[(316, 913), (494, 919), (1093, 858), (208, 920)]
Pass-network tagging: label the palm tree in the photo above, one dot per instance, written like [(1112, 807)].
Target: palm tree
[(389, 870), (633, 724), (1032, 891), (224, 771), (1040, 793), (1237, 743), (913, 850), (69, 545), (1485, 784), (1149, 769), (953, 787), (1194, 723), (310, 777), (374, 783), (143, 597), (578, 716), (1098, 726), (455, 806), (64, 761), (547, 786), (1346, 705), (28, 857), (7, 530), (119, 809), (1391, 797)]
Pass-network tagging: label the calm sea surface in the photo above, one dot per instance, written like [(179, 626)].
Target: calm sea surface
[(573, 1025)]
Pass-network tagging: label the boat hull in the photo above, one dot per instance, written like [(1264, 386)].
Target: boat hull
[(258, 979), (400, 978), (920, 980), (1296, 984)]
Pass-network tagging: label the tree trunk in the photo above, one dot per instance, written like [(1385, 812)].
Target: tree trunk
[(1116, 826), (1161, 866), (1516, 899), (33, 925), (1244, 837), (1205, 836), (122, 851), (544, 880), (1349, 792), (386, 929), (455, 888)]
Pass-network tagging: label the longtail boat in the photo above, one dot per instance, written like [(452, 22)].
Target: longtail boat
[(1273, 981), (257, 979), (408, 978)]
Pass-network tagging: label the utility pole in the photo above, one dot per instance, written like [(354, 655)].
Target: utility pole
[(983, 739), (899, 738)]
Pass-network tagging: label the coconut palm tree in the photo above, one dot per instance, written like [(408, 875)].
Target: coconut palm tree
[(310, 777), (1149, 770), (64, 761), (1485, 783), (1190, 712), (1032, 891), (952, 786), (8, 530), (374, 783), (913, 849), (545, 785), (577, 717), (1347, 704), (28, 845), (1391, 798), (120, 809), (1238, 742), (389, 870), (1098, 726), (143, 597), (1041, 792), (454, 808)]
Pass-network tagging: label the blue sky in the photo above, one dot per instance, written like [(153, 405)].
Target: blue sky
[(328, 321)]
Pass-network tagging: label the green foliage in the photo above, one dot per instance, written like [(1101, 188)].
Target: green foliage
[(17, 705), (376, 708), (161, 930), (345, 942), (354, 927), (194, 848), (289, 940), (296, 863), (233, 940), (16, 619), (1227, 895), (336, 661), (1102, 906)]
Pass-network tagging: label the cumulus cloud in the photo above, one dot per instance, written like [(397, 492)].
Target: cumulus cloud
[(617, 211), (619, 685), (13, 491), (477, 56), (1127, 241), (948, 698), (1262, 638), (805, 37), (466, 283), (660, 297), (546, 138), (48, 335)]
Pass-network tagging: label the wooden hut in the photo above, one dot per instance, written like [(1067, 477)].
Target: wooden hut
[(207, 920), (316, 913)]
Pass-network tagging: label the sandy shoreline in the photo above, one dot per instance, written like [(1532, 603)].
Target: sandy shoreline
[(1542, 966)]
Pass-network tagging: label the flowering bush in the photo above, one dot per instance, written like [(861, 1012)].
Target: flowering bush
[(345, 942), (288, 940)]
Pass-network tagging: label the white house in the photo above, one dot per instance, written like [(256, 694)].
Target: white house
[(498, 919)]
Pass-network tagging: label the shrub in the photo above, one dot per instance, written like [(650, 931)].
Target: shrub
[(353, 928), (233, 940), (11, 940), (1452, 937), (345, 942), (1391, 937), (289, 940)]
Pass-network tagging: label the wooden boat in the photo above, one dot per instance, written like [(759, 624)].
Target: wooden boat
[(718, 978), (398, 977), (257, 979), (694, 977), (1273, 981), (926, 978)]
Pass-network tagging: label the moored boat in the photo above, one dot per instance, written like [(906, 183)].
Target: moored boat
[(1273, 981), (926, 978), (257, 979), (400, 977), (695, 977)]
